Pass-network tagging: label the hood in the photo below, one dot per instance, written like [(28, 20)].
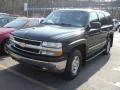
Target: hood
[(48, 33), (6, 30)]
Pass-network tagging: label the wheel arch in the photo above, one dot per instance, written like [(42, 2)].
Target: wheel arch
[(81, 46)]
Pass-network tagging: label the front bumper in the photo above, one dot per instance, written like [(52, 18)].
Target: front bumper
[(57, 66)]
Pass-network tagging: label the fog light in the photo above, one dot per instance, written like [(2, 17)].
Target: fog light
[(57, 53)]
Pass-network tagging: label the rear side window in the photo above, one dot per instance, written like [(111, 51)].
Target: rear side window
[(102, 18), (93, 17)]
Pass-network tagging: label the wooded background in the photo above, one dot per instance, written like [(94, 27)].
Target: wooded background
[(44, 7)]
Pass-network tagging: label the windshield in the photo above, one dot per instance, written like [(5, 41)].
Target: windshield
[(18, 23), (67, 18)]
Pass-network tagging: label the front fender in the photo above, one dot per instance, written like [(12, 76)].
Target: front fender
[(75, 44)]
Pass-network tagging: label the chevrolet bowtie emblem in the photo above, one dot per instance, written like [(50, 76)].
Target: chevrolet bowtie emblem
[(23, 45)]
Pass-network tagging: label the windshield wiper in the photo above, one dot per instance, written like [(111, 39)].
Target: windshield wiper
[(63, 24), (48, 23)]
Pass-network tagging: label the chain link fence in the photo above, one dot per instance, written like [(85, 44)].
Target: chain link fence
[(39, 8)]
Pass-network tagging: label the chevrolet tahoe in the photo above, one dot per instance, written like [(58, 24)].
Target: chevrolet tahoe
[(65, 40)]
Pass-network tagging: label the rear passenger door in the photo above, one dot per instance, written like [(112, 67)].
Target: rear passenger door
[(105, 27)]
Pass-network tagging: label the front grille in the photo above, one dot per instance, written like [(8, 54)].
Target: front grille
[(31, 42), (17, 41), (26, 49)]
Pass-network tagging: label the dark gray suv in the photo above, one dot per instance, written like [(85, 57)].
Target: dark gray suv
[(65, 40)]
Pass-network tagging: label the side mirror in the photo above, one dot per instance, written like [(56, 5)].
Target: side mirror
[(95, 25), (41, 21)]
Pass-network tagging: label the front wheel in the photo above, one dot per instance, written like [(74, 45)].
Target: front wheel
[(73, 66)]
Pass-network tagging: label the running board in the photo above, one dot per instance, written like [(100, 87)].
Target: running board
[(95, 55)]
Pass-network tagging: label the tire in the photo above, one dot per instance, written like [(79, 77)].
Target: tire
[(107, 47), (73, 65), (4, 49)]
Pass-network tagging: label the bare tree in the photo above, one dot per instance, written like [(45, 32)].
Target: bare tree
[(2, 3)]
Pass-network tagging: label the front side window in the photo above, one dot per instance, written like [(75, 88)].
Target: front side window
[(93, 17), (102, 18), (108, 17), (67, 18)]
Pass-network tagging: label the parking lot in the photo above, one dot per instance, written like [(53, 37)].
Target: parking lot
[(103, 73)]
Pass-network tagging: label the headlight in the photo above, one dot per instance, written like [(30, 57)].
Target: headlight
[(52, 45), (52, 49)]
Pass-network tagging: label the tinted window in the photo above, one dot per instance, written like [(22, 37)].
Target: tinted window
[(17, 23), (93, 17), (71, 18), (108, 17), (102, 18)]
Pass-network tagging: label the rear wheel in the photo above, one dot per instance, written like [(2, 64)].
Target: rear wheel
[(107, 47), (73, 66), (119, 28)]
